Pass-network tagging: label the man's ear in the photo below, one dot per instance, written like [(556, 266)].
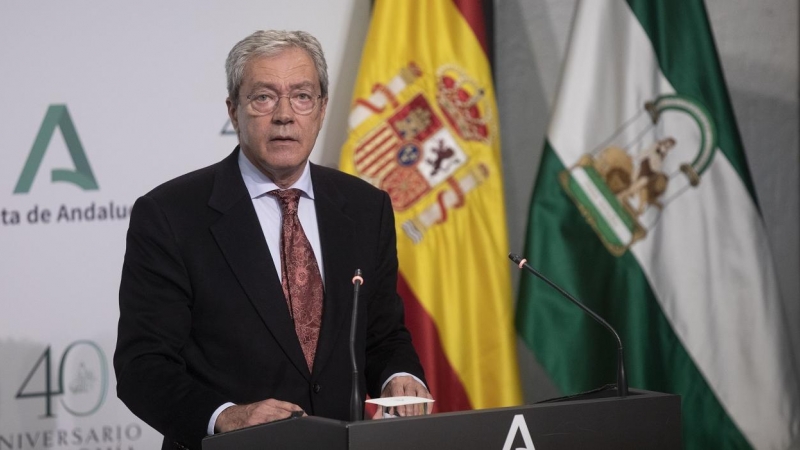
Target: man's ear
[(232, 108), (323, 109)]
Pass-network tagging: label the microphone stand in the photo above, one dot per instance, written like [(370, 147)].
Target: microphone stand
[(356, 408), (622, 380)]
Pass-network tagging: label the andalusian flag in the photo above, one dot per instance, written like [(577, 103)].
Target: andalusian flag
[(645, 210), (424, 128)]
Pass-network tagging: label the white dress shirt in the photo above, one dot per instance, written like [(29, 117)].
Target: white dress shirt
[(269, 214)]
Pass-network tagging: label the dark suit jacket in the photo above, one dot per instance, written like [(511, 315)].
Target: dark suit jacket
[(203, 319)]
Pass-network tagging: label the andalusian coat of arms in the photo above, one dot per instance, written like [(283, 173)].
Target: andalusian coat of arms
[(622, 189)]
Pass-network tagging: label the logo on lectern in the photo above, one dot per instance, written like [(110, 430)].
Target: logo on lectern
[(518, 426)]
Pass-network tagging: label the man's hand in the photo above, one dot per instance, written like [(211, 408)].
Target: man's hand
[(400, 386), (241, 416)]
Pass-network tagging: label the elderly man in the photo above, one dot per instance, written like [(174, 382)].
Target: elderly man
[(236, 288)]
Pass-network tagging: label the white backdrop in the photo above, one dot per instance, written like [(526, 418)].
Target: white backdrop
[(144, 86)]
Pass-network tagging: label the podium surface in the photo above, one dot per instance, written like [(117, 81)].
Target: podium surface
[(642, 420)]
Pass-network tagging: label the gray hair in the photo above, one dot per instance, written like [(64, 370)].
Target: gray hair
[(270, 43)]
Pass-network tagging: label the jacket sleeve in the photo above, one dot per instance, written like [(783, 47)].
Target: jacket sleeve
[(389, 346), (155, 301)]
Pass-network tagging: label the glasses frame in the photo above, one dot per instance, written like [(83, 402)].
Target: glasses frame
[(250, 99)]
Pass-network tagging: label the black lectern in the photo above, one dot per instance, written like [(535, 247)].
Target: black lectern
[(644, 419)]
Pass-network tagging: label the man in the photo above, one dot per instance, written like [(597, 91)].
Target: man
[(231, 313)]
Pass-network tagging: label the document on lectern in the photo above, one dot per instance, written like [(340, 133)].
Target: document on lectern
[(389, 404)]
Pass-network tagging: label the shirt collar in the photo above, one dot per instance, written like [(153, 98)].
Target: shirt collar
[(259, 184)]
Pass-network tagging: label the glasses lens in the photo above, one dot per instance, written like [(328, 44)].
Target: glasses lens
[(263, 103), (301, 102)]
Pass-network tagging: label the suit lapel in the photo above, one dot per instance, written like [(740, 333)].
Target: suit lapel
[(337, 239), (241, 240)]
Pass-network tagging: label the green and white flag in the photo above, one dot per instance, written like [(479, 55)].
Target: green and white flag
[(645, 210)]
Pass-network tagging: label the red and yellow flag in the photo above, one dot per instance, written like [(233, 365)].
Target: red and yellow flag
[(424, 128)]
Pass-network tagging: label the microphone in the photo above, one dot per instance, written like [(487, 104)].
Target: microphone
[(356, 408), (622, 381)]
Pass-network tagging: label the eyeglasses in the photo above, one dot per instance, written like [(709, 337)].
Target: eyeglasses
[(302, 102)]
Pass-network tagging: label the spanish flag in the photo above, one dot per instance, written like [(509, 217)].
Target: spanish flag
[(423, 127)]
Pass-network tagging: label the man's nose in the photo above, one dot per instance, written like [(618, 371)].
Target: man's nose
[(283, 111)]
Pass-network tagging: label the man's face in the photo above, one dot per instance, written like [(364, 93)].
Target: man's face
[(278, 143)]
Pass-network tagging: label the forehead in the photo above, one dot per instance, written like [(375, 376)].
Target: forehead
[(291, 67)]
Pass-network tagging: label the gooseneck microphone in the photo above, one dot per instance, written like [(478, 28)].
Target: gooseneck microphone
[(622, 381), (356, 408)]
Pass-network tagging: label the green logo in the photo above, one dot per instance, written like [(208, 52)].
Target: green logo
[(82, 176)]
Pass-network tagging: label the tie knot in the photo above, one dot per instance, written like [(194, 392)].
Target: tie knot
[(288, 199)]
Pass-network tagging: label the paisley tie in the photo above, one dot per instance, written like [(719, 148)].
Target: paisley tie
[(300, 277)]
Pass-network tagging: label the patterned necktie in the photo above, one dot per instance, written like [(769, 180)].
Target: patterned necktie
[(300, 277)]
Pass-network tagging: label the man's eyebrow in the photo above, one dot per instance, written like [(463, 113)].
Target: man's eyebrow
[(263, 85), (303, 84), (272, 86)]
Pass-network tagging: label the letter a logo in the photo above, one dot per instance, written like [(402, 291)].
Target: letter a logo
[(518, 425), (82, 176)]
